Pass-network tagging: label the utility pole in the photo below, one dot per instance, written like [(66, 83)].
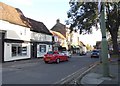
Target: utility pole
[(104, 45)]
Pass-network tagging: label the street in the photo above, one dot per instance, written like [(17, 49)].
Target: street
[(37, 72)]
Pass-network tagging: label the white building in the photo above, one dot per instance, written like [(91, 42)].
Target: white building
[(24, 38), (16, 41), (41, 39)]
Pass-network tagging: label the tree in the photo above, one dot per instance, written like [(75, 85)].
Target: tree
[(83, 15), (89, 47)]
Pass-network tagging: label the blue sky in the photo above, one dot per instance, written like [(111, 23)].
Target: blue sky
[(46, 11)]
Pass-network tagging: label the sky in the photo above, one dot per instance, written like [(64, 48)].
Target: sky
[(91, 38), (48, 11)]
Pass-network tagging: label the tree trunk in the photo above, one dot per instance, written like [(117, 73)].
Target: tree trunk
[(114, 41)]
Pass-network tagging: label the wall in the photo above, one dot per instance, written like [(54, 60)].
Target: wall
[(40, 37), (75, 38), (15, 31)]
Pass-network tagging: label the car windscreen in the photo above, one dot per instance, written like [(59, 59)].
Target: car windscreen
[(64, 51)]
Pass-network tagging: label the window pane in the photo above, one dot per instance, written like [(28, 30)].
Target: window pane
[(50, 52), (42, 48), (19, 50), (24, 50), (14, 51)]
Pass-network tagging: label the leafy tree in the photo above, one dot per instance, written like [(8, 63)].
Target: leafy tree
[(89, 47), (83, 15)]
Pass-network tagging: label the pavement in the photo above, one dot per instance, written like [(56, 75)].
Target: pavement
[(95, 76)]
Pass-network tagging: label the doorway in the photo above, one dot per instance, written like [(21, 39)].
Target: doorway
[(33, 50), (2, 34)]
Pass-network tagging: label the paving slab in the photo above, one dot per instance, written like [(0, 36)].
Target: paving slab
[(93, 78)]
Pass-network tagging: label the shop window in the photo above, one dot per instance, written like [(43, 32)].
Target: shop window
[(14, 51), (18, 50), (42, 48), (24, 50)]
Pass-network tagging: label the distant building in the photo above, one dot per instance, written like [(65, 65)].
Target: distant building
[(72, 38), (58, 40), (59, 27)]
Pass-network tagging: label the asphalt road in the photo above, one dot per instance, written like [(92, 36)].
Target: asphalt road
[(37, 72)]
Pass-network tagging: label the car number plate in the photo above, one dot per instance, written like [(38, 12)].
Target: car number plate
[(47, 59)]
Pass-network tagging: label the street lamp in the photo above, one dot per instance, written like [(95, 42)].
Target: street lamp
[(104, 45)]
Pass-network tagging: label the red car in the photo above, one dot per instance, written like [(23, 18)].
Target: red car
[(54, 56)]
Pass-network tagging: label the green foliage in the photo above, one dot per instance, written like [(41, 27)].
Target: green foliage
[(83, 15), (89, 47)]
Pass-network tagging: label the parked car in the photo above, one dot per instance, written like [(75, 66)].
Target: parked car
[(55, 56), (95, 53), (67, 53)]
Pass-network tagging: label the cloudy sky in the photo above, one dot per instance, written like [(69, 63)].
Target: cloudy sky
[(48, 11)]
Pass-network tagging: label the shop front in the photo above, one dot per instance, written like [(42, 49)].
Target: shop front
[(38, 49), (16, 50)]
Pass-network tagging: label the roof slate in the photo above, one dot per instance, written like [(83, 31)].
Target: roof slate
[(37, 26), (61, 28), (12, 15)]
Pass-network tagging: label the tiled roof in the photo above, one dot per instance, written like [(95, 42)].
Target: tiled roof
[(57, 34), (12, 15), (61, 28), (37, 26)]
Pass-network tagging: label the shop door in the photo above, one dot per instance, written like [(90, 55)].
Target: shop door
[(34, 50)]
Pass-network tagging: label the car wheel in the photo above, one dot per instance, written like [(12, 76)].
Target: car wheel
[(46, 62), (58, 61), (67, 60)]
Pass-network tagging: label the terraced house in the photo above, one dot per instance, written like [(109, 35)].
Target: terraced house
[(41, 39), (22, 38)]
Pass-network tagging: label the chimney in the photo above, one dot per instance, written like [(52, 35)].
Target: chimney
[(58, 21)]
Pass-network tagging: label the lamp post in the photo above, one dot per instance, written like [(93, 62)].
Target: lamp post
[(104, 46)]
